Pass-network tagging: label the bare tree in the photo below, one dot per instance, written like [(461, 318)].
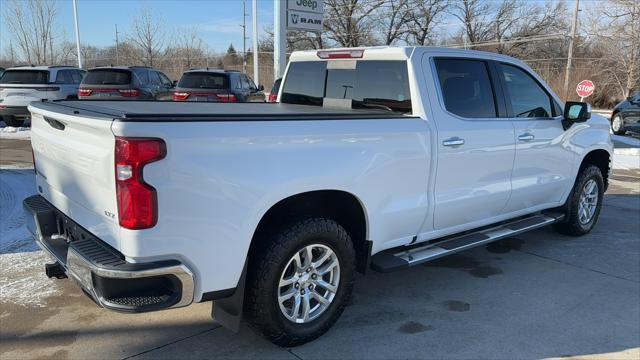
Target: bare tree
[(349, 22), (423, 17), (393, 17), (31, 24), (617, 32), (187, 47), (474, 16), (147, 34)]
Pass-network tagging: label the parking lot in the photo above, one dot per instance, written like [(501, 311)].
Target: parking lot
[(537, 295)]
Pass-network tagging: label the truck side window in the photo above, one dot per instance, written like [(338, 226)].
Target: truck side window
[(466, 88), (527, 97), (304, 83)]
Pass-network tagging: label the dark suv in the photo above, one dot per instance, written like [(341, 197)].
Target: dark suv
[(125, 82), (626, 115), (217, 86)]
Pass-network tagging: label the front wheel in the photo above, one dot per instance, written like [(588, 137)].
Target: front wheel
[(301, 281), (617, 125), (584, 203)]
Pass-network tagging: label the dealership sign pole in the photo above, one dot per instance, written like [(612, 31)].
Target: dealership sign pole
[(585, 88), (304, 15)]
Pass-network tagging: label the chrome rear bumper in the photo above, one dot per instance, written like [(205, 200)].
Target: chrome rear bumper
[(102, 271)]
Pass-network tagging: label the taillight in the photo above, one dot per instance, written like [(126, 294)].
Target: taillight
[(226, 97), (180, 96), (137, 200), (129, 92), (84, 92), (273, 97)]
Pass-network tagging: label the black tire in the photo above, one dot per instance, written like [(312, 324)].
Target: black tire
[(10, 120), (621, 130), (572, 224), (261, 304)]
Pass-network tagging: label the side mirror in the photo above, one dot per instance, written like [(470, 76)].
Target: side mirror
[(577, 111), (174, 83), (260, 87)]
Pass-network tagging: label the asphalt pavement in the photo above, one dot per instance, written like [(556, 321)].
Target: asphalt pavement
[(537, 295)]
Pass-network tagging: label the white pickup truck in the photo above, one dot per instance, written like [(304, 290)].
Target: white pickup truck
[(377, 157)]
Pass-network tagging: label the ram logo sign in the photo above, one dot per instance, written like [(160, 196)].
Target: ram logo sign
[(300, 20)]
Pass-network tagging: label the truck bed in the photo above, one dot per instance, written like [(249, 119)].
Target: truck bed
[(160, 111)]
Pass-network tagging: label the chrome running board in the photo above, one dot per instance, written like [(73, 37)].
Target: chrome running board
[(399, 258)]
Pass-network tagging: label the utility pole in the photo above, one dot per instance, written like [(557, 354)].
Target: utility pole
[(574, 27), (256, 69), (75, 19), (244, 36), (117, 45), (279, 38)]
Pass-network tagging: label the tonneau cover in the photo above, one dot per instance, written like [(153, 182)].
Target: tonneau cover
[(202, 111)]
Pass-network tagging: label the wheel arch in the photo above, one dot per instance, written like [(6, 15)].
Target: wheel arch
[(600, 158), (341, 206)]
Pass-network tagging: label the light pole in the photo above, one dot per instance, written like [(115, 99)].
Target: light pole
[(75, 19), (256, 69)]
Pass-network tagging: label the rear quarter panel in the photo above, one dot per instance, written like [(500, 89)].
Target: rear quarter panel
[(220, 178)]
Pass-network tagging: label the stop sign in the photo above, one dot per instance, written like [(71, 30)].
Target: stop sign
[(585, 88)]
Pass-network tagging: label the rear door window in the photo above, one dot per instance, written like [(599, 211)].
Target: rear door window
[(25, 77), (143, 77), (77, 76), (165, 80), (154, 78), (526, 97), (64, 77), (204, 80), (107, 77), (466, 88)]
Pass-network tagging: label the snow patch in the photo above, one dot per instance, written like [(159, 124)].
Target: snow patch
[(624, 161), (10, 132), (15, 186), (23, 281)]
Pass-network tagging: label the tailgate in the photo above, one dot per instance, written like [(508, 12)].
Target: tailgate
[(74, 159)]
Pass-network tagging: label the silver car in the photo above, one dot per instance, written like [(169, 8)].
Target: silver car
[(19, 86)]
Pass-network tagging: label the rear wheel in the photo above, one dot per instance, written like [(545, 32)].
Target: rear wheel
[(584, 203), (11, 120), (617, 125), (301, 281)]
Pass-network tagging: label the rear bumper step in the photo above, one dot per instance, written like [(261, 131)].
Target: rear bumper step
[(400, 258), (101, 271)]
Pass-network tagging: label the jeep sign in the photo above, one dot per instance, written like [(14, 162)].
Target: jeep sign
[(301, 20), (314, 6)]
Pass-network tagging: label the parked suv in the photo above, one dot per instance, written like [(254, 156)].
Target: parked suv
[(19, 86), (217, 86), (125, 83), (626, 115), (273, 95)]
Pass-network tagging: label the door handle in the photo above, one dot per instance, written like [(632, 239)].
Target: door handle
[(526, 137), (454, 141)]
